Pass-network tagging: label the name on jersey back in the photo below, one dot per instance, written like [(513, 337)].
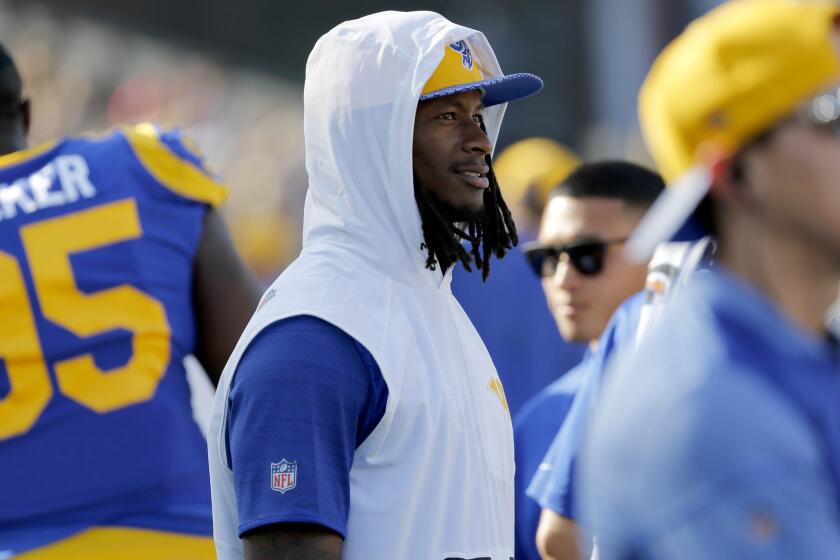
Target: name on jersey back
[(62, 181)]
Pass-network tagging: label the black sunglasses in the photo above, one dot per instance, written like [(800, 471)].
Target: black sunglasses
[(586, 256)]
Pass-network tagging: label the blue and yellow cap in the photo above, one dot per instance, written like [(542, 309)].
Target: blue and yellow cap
[(459, 71)]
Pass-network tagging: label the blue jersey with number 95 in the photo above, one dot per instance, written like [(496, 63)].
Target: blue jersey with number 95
[(97, 241)]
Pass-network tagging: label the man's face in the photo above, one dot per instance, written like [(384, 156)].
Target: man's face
[(449, 150), (794, 181), (582, 305)]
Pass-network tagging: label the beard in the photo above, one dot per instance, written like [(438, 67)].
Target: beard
[(454, 234), (458, 216)]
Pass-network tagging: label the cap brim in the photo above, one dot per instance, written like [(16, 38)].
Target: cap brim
[(496, 90), (672, 216)]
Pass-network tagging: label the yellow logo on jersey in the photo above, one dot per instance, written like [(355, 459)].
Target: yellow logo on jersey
[(495, 385)]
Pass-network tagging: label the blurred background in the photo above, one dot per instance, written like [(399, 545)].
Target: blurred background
[(231, 74)]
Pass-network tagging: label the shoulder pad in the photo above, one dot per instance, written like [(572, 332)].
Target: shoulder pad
[(175, 161)]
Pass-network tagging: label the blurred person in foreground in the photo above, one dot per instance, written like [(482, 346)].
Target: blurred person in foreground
[(114, 266), (360, 415), (585, 278), (720, 436), (508, 310)]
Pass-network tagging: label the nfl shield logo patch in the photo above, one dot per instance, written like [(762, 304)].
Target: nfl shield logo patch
[(284, 475)]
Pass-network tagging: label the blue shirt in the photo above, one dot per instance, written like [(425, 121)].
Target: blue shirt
[(534, 428), (304, 396), (719, 437), (98, 237), (511, 316), (553, 485)]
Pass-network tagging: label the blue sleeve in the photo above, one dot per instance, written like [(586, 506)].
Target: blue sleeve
[(534, 428), (553, 484), (305, 395)]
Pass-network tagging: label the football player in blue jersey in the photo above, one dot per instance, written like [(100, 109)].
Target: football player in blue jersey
[(720, 436), (114, 266)]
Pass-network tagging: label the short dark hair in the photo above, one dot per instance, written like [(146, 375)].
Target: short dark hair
[(633, 184)]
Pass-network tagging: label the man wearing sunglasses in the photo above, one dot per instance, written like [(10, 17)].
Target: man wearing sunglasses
[(720, 436), (578, 257), (578, 252)]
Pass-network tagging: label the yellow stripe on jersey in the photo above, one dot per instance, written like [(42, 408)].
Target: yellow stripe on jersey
[(14, 158), (172, 172), (122, 543)]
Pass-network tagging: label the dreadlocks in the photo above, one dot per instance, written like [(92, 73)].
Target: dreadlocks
[(490, 232)]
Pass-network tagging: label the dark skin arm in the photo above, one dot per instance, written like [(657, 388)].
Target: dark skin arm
[(225, 294), (292, 541)]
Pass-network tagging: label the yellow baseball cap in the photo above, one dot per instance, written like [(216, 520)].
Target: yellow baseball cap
[(729, 76), (537, 164), (459, 71)]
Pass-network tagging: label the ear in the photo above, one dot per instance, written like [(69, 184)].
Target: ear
[(725, 174), (26, 114)]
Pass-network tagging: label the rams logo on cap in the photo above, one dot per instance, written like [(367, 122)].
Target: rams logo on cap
[(466, 56)]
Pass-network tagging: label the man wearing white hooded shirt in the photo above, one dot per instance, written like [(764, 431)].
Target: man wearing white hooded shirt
[(360, 415)]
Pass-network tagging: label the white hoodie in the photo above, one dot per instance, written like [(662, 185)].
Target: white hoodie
[(434, 480)]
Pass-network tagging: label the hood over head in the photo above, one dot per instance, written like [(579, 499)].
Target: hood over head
[(363, 82)]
